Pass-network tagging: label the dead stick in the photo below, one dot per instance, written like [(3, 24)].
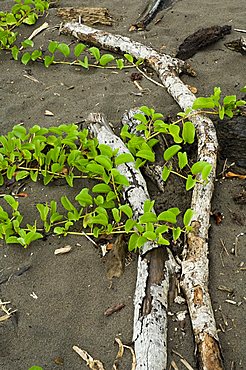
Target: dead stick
[(155, 265), (195, 262)]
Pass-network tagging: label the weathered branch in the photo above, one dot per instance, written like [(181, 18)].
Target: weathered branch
[(195, 262), (155, 265)]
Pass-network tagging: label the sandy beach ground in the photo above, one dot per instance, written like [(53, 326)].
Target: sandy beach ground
[(72, 290)]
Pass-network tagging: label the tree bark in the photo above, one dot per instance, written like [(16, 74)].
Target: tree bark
[(155, 266), (195, 261)]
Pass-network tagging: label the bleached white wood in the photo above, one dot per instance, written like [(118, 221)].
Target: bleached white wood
[(195, 262), (149, 330)]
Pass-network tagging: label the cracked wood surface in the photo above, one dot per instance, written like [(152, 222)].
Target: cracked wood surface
[(155, 265), (195, 271)]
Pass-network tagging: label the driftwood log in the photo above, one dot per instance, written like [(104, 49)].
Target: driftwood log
[(195, 270), (149, 13), (155, 265), (90, 16), (232, 139), (201, 39)]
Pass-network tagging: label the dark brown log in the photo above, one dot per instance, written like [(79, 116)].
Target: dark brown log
[(200, 39), (152, 8), (232, 139)]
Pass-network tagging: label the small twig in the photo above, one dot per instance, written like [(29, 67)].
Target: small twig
[(43, 27), (239, 30), (236, 243), (149, 78), (90, 239), (224, 247)]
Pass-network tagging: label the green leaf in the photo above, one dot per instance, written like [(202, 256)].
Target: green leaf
[(188, 216), (120, 63), (15, 52), (230, 100), (59, 230), (12, 202), (48, 60), (171, 151), (36, 54), (167, 216), (141, 241), (203, 103), (95, 52), (183, 160), (10, 19), (162, 241), (52, 47), (27, 43), (206, 171), (124, 158), (116, 214), (110, 196), (125, 208), (19, 131), (216, 96), (10, 171), (130, 223), (148, 205), (161, 229), (67, 204), (176, 233), (79, 48), (31, 19), (129, 57), (100, 219), (175, 211), (26, 57), (104, 161), (222, 112), (188, 132), (105, 150), (198, 167), (148, 217), (43, 211), (32, 236), (150, 235), (146, 154), (118, 178), (12, 240), (166, 172), (84, 63), (105, 59), (142, 118), (34, 175), (132, 244), (21, 175), (84, 198), (35, 368), (190, 183), (64, 49), (101, 188), (174, 130), (95, 168)]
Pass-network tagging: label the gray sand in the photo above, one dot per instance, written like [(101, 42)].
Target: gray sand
[(72, 290)]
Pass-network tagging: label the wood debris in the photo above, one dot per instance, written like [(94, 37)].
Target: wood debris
[(90, 16), (115, 308), (238, 45), (195, 258), (152, 8), (200, 39)]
